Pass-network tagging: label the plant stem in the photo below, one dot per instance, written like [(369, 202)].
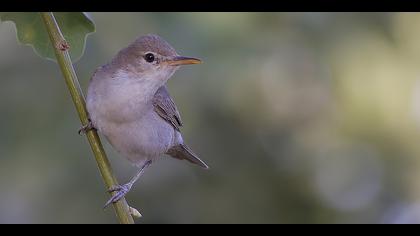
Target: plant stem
[(63, 58)]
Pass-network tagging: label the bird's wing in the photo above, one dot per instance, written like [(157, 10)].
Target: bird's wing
[(166, 108)]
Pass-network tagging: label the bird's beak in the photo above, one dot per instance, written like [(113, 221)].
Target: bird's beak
[(179, 60)]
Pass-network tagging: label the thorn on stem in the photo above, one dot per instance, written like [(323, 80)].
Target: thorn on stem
[(135, 213), (63, 46)]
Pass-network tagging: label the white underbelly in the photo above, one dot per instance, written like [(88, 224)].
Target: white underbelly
[(141, 140)]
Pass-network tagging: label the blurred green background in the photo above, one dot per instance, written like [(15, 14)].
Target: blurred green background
[(302, 117)]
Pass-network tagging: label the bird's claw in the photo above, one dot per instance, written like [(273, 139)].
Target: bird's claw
[(121, 191), (85, 128)]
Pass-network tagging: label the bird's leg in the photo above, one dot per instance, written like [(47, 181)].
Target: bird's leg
[(84, 129), (122, 190)]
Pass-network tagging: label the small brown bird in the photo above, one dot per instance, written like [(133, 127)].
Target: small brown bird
[(129, 104)]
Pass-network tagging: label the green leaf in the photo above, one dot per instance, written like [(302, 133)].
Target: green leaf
[(31, 31)]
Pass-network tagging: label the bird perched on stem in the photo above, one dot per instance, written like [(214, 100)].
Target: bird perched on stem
[(129, 104)]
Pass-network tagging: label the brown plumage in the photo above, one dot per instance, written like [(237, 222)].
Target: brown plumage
[(128, 102), (165, 107)]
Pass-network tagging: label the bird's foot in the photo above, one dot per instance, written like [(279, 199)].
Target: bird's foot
[(84, 129), (121, 191)]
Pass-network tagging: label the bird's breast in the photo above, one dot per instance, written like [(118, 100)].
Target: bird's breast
[(146, 138), (123, 112), (119, 99)]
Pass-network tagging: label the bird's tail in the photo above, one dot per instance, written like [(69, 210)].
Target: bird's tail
[(183, 152)]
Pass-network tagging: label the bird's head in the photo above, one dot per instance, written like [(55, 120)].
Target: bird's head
[(152, 58)]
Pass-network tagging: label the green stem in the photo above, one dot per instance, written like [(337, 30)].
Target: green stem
[(63, 58)]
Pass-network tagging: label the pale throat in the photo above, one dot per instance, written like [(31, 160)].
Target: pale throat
[(135, 91)]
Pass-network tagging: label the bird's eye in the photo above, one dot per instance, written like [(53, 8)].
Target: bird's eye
[(149, 57)]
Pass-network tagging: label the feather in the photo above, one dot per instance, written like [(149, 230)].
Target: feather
[(165, 107)]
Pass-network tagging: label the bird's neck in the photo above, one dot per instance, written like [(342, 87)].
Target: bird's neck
[(123, 99), (135, 87)]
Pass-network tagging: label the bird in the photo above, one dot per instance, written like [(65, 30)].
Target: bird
[(129, 103)]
